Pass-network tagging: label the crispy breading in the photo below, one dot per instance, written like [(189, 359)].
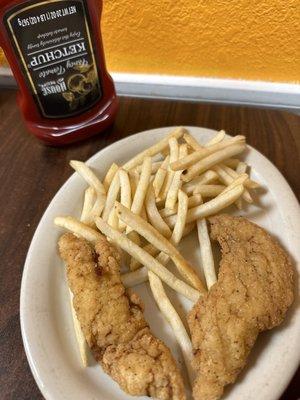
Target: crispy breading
[(113, 323), (252, 294)]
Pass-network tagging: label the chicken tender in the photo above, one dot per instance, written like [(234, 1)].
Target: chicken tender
[(252, 294), (113, 323)]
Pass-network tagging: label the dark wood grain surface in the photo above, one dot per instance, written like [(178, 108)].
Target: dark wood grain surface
[(30, 175)]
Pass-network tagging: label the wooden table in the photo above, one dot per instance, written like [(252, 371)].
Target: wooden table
[(32, 173)]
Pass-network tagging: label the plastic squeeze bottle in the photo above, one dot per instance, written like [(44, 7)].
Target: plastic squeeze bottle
[(55, 51)]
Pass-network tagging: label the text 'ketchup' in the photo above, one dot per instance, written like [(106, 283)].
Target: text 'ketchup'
[(55, 51)]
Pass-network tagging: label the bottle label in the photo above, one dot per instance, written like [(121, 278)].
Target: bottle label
[(53, 42)]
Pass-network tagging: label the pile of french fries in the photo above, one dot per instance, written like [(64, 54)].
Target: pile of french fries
[(155, 199)]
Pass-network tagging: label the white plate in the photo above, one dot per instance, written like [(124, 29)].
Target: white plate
[(46, 323)]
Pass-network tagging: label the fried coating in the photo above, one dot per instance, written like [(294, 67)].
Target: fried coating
[(113, 323), (252, 294)]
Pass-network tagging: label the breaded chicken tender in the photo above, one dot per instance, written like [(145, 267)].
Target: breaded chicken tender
[(113, 323), (252, 294)]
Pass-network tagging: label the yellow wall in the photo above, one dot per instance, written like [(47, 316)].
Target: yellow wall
[(214, 38)]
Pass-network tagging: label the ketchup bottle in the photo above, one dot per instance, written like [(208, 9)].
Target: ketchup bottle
[(55, 51)]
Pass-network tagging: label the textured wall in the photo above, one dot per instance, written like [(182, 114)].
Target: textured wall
[(216, 38)]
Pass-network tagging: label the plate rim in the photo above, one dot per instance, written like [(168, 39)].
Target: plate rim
[(292, 205)]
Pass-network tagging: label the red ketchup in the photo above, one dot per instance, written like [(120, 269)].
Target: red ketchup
[(55, 51)]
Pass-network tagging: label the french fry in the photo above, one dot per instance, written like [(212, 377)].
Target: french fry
[(125, 191), (223, 174), (82, 344), (154, 167), (97, 207), (188, 228), (246, 195), (163, 258), (153, 251), (113, 219), (211, 160), (239, 203), (206, 253), (211, 207), (138, 199), (226, 178), (232, 162), (209, 190), (193, 158), (241, 168), (178, 230), (159, 203), (155, 149), (144, 213), (206, 178), (174, 320), (216, 139), (174, 152), (193, 201), (110, 176), (142, 187), (158, 240), (112, 196), (89, 196), (160, 176), (189, 149), (151, 263), (240, 180), (134, 278), (230, 171), (149, 248), (138, 274), (165, 152), (89, 199), (192, 142), (134, 178), (250, 184), (181, 218), (172, 194), (78, 228), (154, 216), (135, 238), (88, 175)]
